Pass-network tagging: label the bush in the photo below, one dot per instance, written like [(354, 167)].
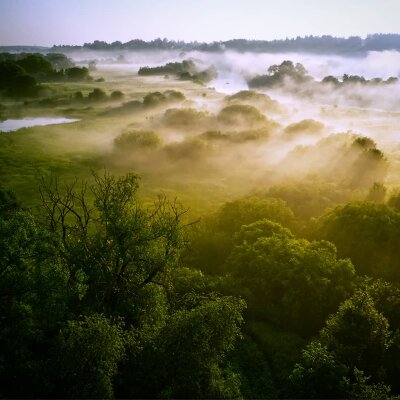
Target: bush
[(174, 95), (97, 95), (154, 99), (251, 97), (116, 95), (78, 95), (190, 148), (237, 137), (137, 140), (186, 118), (305, 126), (77, 74), (240, 114)]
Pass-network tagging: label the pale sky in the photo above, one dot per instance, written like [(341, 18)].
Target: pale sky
[(48, 22)]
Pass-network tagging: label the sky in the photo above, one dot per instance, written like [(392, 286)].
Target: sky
[(49, 22)]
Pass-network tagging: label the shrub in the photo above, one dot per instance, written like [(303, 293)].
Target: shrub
[(132, 140), (116, 95), (97, 95), (240, 114), (185, 118)]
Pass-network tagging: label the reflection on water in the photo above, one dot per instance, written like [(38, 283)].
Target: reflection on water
[(10, 125)]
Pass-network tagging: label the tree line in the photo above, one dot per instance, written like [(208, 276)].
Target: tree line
[(325, 44)]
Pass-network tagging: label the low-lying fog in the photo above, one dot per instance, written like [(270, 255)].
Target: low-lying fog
[(179, 130), (234, 69)]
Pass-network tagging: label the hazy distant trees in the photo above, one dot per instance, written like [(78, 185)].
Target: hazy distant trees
[(356, 79), (185, 70), (288, 73), (279, 74)]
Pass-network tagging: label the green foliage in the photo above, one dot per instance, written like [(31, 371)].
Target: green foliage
[(154, 99), (394, 200), (185, 70), (8, 202), (356, 341), (280, 74), (366, 232), (35, 64), (197, 340), (186, 118), (318, 375), (254, 370), (59, 61), (362, 389), (78, 96), (253, 98), (97, 95), (137, 140), (331, 79), (189, 149), (232, 215), (212, 243), (19, 73), (34, 298), (77, 73), (282, 278), (170, 68), (249, 234), (118, 245), (358, 334), (88, 354), (281, 349), (242, 115), (15, 82), (211, 329), (304, 126), (116, 95), (103, 294), (175, 95), (209, 249), (356, 80), (309, 198)]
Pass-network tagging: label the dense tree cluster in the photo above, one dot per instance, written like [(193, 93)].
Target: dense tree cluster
[(280, 74), (103, 297), (186, 70), (296, 74), (21, 74)]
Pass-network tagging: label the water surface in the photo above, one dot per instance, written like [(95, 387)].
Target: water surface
[(10, 125)]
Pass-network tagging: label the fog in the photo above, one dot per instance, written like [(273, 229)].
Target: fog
[(217, 138), (305, 115), (233, 67)]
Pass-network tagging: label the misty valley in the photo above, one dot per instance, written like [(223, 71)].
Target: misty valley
[(187, 220)]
